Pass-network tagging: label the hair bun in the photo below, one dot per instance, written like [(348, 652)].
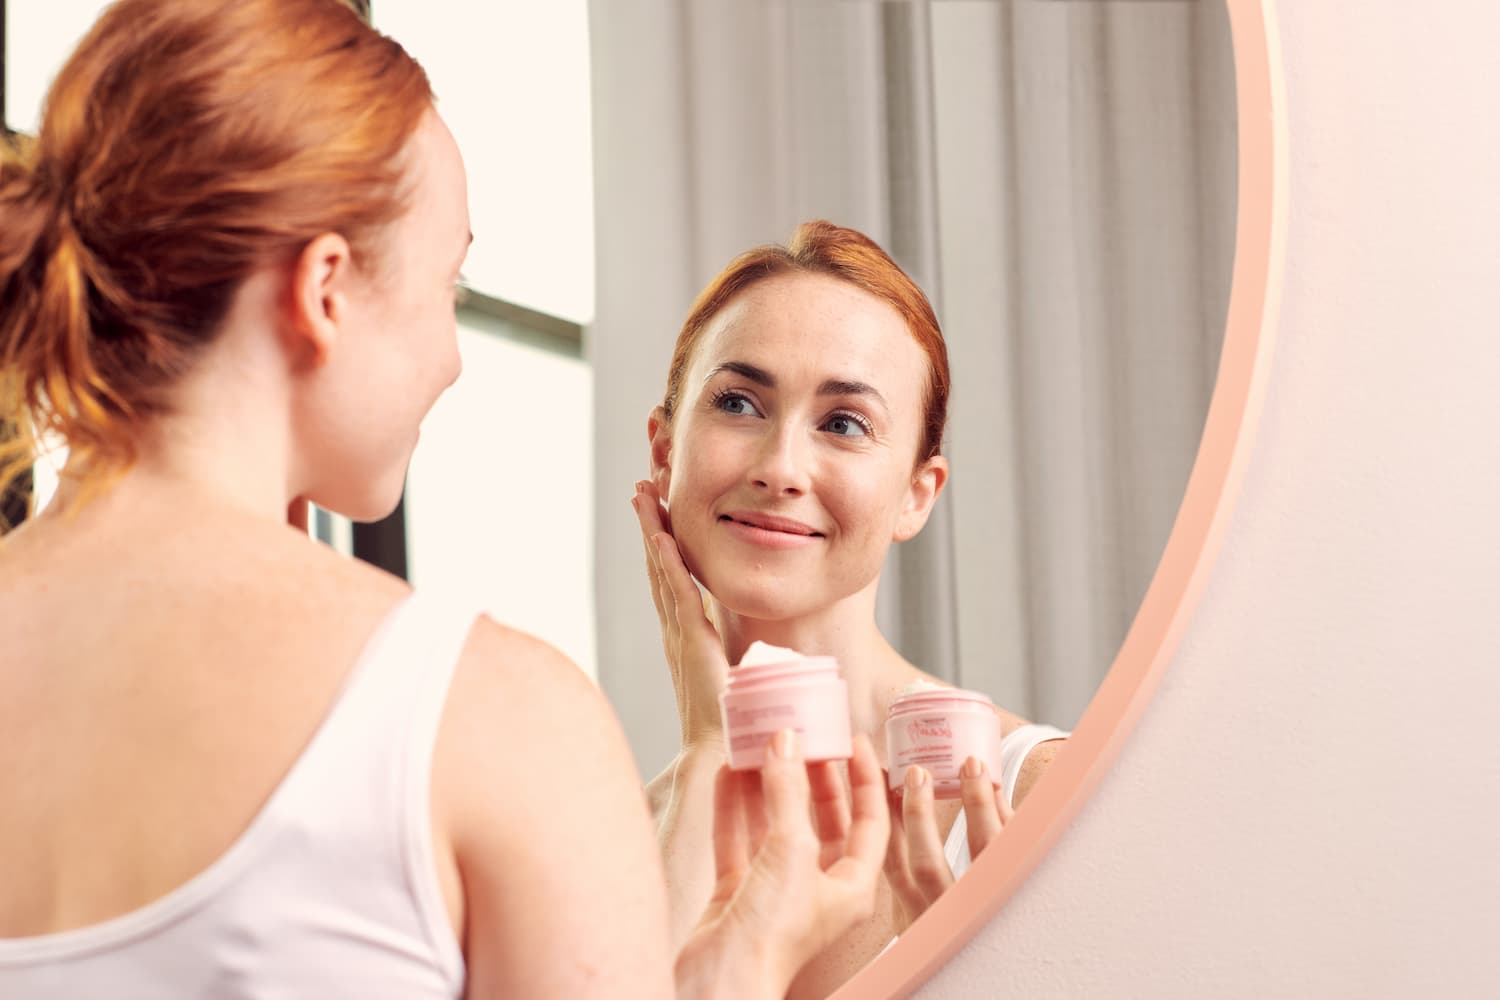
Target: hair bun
[(24, 212)]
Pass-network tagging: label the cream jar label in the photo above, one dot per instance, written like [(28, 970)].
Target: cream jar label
[(805, 694), (938, 729)]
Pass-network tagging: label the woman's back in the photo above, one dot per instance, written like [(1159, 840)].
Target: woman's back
[(158, 686), (223, 774), (164, 676)]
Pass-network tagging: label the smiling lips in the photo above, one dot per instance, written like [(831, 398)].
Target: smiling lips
[(770, 531)]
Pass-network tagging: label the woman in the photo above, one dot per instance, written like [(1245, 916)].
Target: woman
[(800, 436), (238, 764)]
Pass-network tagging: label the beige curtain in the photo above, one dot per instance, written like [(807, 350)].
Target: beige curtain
[(1058, 177)]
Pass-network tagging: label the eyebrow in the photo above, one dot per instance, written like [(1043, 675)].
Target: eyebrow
[(830, 387)]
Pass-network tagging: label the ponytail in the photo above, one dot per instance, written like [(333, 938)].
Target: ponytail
[(50, 386), (173, 160), (23, 220)]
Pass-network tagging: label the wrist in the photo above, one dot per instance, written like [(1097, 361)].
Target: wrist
[(717, 963), (700, 722), (704, 740)]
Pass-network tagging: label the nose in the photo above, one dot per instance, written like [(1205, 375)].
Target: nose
[(781, 463)]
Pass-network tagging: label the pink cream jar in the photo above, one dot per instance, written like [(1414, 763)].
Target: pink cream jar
[(939, 728), (802, 693)]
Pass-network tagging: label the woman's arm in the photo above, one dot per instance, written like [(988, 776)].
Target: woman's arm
[(681, 797), (536, 791), (681, 802), (537, 802)]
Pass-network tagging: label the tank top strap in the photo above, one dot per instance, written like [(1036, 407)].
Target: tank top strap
[(365, 780), (1015, 746)]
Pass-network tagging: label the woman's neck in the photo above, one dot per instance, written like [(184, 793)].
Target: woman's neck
[(225, 443), (871, 667)]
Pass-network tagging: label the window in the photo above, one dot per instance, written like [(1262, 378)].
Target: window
[(500, 491), (512, 82), (499, 497)]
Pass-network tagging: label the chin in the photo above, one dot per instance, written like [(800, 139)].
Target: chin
[(768, 599), (362, 506)]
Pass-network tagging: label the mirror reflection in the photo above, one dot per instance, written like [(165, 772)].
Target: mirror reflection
[(1058, 180)]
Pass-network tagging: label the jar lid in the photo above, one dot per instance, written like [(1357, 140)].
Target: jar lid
[(928, 697), (802, 669)]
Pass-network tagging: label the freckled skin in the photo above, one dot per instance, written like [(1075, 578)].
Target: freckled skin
[(841, 463)]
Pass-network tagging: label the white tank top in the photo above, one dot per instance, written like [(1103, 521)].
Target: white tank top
[(331, 891), (1015, 747)]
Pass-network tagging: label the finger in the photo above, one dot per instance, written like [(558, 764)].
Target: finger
[(731, 840), (663, 513), (784, 785), (894, 863), (981, 804), (868, 845), (830, 808), (664, 590), (924, 846), (870, 825), (752, 797), (646, 508), (648, 511), (686, 601), (653, 572)]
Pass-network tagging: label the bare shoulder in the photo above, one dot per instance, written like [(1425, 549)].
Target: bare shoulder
[(536, 797), (522, 713), (507, 674), (1037, 761), (1034, 766)]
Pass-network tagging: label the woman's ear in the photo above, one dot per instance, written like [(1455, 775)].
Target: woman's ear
[(318, 298), (659, 431), (926, 483)]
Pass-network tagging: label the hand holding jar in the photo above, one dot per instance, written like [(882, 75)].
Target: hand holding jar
[(943, 743), (796, 859)]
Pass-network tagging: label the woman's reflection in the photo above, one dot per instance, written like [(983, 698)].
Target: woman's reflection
[(800, 436)]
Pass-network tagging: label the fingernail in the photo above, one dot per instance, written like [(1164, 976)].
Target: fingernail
[(916, 777), (973, 768), (640, 486), (784, 744)]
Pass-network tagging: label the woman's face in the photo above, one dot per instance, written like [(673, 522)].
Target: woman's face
[(788, 467), (398, 346)]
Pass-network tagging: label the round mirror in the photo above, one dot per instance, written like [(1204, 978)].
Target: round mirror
[(1063, 180)]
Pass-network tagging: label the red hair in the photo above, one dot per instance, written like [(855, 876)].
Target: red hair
[(820, 247), (185, 144)]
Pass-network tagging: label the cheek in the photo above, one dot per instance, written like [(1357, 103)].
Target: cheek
[(704, 465), (428, 360), (861, 502), (451, 361)]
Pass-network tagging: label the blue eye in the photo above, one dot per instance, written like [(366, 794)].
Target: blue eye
[(846, 425), (735, 404)]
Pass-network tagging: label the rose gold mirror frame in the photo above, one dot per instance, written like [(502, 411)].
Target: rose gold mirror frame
[(1189, 553)]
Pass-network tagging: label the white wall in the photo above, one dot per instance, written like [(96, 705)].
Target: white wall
[(1311, 806), (499, 495)]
